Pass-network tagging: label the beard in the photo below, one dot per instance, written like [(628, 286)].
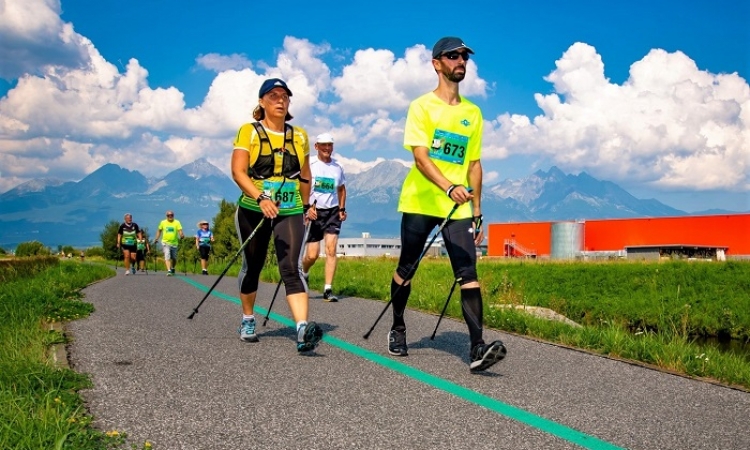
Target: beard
[(455, 75)]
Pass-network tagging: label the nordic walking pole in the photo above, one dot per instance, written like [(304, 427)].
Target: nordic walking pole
[(304, 240), (239, 252), (268, 313), (413, 268), (447, 300)]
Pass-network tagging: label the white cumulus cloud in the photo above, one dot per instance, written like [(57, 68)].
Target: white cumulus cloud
[(669, 125), (33, 35)]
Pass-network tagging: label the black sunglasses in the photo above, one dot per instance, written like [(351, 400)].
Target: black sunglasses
[(454, 55), (170, 215)]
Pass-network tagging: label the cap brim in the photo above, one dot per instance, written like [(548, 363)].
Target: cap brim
[(468, 49), (289, 93)]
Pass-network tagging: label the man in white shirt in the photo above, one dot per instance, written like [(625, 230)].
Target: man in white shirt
[(328, 195)]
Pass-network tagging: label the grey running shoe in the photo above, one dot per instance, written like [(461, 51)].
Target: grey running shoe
[(247, 331), (484, 355), (329, 297), (397, 342), (308, 337)]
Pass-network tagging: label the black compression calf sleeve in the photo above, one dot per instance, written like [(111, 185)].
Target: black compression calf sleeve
[(471, 306), (399, 297)]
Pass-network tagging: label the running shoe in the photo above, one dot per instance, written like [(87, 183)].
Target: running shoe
[(132, 270), (308, 337), (247, 331), (329, 297), (127, 272), (484, 355), (205, 272), (397, 342)]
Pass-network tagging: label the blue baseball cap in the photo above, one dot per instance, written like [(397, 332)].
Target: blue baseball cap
[(273, 83), (448, 44)]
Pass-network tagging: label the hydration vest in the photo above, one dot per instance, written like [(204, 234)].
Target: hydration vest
[(264, 165)]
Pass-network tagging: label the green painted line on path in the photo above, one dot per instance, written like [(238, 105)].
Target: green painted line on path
[(548, 426)]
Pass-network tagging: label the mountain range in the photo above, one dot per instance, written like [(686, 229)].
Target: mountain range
[(58, 212)]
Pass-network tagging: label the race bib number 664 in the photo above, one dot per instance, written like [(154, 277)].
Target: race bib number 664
[(449, 147)]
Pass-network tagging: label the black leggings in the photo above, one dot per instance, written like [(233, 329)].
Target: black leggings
[(458, 236), (288, 233), (459, 242)]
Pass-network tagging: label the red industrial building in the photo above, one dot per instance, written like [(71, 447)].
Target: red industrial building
[(715, 236)]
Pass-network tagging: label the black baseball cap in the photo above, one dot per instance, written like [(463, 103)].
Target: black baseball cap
[(449, 44), (273, 83)]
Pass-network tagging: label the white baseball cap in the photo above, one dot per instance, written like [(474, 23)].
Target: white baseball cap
[(324, 138)]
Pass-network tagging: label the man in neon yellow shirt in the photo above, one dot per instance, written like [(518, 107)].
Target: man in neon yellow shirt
[(171, 230), (444, 133)]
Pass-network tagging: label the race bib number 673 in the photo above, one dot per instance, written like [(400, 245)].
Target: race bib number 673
[(449, 147)]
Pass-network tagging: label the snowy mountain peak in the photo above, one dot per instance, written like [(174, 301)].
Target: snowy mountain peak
[(201, 168), (36, 185)]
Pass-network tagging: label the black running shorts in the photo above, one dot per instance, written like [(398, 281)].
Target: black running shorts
[(328, 222)]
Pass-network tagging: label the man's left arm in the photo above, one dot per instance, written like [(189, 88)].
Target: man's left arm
[(341, 191), (475, 182)]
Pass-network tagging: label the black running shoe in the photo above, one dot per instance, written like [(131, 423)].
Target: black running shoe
[(485, 355), (308, 337), (397, 342), (329, 297)]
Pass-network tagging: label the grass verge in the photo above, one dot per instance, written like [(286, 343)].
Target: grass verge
[(40, 405)]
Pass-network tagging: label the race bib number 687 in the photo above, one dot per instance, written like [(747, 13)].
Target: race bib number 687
[(284, 194)]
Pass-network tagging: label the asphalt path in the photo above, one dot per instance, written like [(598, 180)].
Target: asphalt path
[(192, 384)]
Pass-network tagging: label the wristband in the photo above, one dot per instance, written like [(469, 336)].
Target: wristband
[(305, 208), (262, 197), (450, 189), (343, 210)]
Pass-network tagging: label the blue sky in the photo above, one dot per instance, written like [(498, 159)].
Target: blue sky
[(650, 95)]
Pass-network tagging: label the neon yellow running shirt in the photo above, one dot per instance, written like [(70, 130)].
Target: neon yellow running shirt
[(453, 134), (170, 231)]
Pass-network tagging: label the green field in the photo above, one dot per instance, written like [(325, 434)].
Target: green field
[(648, 312)]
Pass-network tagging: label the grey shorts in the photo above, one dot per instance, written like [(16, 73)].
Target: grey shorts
[(170, 251)]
